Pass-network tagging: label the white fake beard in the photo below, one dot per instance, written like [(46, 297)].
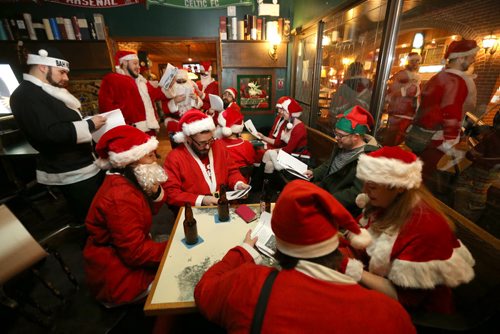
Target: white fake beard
[(149, 175)]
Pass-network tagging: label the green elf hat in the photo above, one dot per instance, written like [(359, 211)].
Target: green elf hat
[(355, 120)]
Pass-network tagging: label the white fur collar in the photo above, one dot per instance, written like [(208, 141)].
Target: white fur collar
[(61, 94)]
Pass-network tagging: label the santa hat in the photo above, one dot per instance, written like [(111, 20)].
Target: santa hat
[(413, 56), (182, 74), (123, 145), (392, 166), (191, 123), (306, 222), (355, 120), (231, 120), (461, 48), (123, 55), (290, 106), (42, 58), (232, 91), (206, 66)]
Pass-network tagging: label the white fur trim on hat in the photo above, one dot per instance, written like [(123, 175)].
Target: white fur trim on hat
[(124, 158), (131, 56), (470, 52), (189, 129), (42, 58), (361, 200), (392, 172), (308, 251), (227, 131), (361, 240)]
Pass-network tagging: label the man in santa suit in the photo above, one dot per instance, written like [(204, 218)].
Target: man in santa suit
[(207, 84), (50, 118), (228, 99), (230, 127), (309, 293), (130, 92), (403, 94), (442, 104), (199, 166)]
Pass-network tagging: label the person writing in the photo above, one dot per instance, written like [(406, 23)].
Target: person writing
[(120, 258), (309, 294), (415, 257), (199, 166)]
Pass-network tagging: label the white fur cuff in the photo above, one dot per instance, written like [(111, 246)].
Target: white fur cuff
[(354, 269)]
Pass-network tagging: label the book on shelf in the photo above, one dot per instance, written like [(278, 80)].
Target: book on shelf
[(223, 28), (241, 30), (229, 28), (76, 28), (93, 33), (259, 29), (68, 26), (246, 18), (263, 29), (22, 30), (40, 31), (100, 27), (7, 28), (83, 25), (3, 34), (55, 28), (60, 26), (48, 29), (234, 28), (29, 26), (13, 28)]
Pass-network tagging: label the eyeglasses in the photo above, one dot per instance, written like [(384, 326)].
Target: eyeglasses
[(341, 136), (203, 143), (180, 81)]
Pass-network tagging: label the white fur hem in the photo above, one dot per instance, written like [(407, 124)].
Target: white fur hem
[(354, 269), (426, 275), (392, 172), (454, 55), (135, 153), (308, 251)]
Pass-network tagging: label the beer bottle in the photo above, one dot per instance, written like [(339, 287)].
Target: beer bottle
[(223, 205), (265, 197), (190, 229)]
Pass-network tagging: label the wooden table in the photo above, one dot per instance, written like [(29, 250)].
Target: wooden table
[(181, 268)]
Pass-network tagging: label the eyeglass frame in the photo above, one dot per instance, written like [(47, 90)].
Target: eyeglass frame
[(205, 143), (341, 136)]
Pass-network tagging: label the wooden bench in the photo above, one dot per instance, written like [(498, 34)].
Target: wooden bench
[(320, 145)]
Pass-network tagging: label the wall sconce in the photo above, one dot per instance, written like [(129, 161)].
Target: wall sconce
[(490, 44), (274, 42)]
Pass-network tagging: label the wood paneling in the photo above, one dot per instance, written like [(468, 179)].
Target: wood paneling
[(238, 54)]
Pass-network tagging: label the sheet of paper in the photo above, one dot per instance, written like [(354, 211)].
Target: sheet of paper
[(216, 102), (291, 163), (266, 241), (251, 127), (114, 118), (168, 76), (235, 194)]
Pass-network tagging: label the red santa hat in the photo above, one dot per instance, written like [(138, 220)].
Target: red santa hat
[(42, 58), (123, 55), (206, 66), (231, 120), (461, 48), (392, 166), (306, 220), (231, 91), (123, 145), (191, 123)]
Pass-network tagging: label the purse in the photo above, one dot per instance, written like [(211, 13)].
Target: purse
[(418, 138)]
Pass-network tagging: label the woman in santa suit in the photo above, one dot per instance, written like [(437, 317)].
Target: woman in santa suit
[(230, 126), (120, 257), (415, 256), (293, 136)]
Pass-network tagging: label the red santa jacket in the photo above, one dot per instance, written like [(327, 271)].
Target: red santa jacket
[(441, 105), (423, 260), (241, 151), (120, 91), (188, 179), (294, 140), (211, 88), (299, 302), (403, 94), (120, 257)]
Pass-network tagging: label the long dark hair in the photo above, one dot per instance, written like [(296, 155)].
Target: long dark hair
[(128, 173)]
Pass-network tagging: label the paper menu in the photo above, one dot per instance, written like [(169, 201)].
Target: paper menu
[(290, 163), (168, 76), (266, 241), (114, 118), (232, 195), (251, 128), (216, 102)]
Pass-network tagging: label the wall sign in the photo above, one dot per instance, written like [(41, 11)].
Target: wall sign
[(200, 4), (280, 84), (98, 3)]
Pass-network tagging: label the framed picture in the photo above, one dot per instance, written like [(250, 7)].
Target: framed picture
[(254, 92)]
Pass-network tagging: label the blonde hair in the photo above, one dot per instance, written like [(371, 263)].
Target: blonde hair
[(402, 208)]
